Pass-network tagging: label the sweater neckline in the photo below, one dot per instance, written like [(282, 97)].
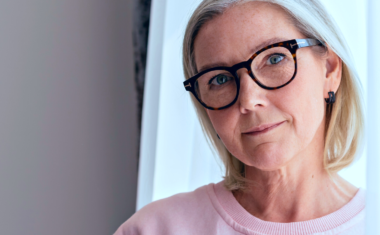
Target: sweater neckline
[(241, 220)]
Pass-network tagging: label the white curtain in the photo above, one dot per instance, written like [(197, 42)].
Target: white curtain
[(175, 157), (373, 118)]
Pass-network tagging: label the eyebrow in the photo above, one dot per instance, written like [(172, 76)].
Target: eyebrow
[(252, 51)]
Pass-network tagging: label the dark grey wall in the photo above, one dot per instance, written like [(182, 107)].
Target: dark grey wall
[(67, 117)]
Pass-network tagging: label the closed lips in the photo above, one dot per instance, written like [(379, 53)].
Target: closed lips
[(263, 127)]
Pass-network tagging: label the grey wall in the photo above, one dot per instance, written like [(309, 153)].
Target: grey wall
[(67, 117)]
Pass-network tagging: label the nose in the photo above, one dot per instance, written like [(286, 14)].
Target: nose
[(251, 96)]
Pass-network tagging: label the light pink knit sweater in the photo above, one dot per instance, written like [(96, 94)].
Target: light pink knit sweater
[(212, 209)]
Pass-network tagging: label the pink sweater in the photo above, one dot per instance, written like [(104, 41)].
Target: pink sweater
[(212, 209)]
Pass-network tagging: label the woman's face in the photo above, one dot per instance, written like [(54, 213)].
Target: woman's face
[(294, 113)]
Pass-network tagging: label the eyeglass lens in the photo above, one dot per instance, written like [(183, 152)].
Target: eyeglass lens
[(272, 68)]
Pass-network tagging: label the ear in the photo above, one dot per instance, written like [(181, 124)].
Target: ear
[(333, 74)]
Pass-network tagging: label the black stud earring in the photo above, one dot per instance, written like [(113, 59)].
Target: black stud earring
[(331, 98), (218, 136)]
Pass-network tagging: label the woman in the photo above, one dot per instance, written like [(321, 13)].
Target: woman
[(277, 95)]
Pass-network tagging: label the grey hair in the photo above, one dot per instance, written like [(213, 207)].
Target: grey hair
[(344, 123)]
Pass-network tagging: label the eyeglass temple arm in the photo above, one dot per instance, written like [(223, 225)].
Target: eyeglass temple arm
[(308, 42)]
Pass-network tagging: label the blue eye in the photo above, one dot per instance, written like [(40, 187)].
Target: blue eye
[(275, 59), (220, 79)]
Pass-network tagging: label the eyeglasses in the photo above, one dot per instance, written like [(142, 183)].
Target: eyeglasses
[(272, 67)]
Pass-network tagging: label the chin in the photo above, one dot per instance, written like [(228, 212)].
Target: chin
[(267, 159)]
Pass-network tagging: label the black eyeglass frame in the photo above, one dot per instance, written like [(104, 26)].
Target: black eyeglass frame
[(292, 45)]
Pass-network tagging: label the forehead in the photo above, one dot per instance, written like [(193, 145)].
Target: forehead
[(236, 34)]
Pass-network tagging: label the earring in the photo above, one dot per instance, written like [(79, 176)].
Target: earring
[(331, 98), (218, 136)]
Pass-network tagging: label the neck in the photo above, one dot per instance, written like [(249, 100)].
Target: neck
[(302, 190)]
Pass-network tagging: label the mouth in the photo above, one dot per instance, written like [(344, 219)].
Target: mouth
[(263, 129)]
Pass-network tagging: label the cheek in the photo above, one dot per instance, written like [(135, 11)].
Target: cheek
[(305, 100), (223, 121)]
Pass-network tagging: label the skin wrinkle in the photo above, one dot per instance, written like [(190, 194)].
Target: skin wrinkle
[(286, 163)]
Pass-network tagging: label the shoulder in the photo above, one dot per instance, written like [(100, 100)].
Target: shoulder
[(162, 216)]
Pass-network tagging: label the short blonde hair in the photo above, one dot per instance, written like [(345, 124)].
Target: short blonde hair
[(344, 122)]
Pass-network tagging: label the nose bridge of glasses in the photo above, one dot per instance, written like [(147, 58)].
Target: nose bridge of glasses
[(247, 79), (241, 65)]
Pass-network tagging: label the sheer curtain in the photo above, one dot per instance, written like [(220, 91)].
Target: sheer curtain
[(373, 118), (175, 156)]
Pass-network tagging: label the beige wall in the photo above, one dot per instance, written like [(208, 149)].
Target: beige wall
[(67, 117)]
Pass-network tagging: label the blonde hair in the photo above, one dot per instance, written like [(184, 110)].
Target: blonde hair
[(344, 122)]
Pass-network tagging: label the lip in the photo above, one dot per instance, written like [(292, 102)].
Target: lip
[(263, 128)]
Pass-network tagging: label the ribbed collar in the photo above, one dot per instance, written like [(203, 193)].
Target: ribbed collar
[(241, 220)]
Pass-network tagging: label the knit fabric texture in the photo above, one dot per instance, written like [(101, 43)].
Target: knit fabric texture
[(213, 210)]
